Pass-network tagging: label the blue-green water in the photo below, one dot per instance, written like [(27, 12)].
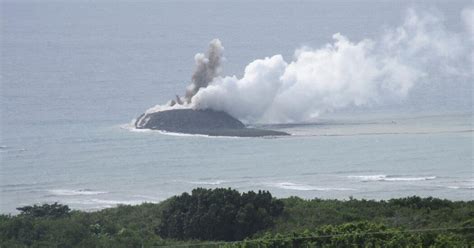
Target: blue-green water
[(74, 74)]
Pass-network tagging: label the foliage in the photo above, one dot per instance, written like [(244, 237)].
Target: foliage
[(410, 212), (225, 214), (122, 226), (361, 234), (218, 214), (54, 210), (417, 202)]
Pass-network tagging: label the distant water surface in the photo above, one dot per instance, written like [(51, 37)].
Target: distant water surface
[(74, 75)]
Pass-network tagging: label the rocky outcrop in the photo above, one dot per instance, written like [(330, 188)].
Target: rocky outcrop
[(207, 122)]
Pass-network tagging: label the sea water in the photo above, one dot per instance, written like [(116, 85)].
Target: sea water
[(75, 74)]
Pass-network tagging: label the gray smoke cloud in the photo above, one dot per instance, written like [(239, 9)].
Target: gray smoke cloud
[(208, 66)]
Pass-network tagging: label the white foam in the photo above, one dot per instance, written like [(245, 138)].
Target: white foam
[(460, 187), (5, 148), (127, 126), (71, 192), (305, 187), (101, 203), (116, 202), (183, 134), (469, 184), (371, 178), (217, 182), (131, 127)]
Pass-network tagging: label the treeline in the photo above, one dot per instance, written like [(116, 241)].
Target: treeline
[(257, 218), (410, 212)]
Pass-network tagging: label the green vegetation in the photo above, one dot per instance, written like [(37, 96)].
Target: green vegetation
[(210, 217), (51, 211), (361, 234), (410, 213), (219, 214)]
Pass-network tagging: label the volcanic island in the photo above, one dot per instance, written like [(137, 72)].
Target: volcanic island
[(203, 122)]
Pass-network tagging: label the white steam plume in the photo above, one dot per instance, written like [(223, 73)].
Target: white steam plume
[(467, 16), (338, 75)]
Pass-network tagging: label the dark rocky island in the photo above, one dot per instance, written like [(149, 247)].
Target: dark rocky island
[(206, 122)]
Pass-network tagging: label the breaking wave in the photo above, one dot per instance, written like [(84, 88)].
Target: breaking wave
[(304, 187), (72, 192), (388, 178), (217, 182), (132, 128)]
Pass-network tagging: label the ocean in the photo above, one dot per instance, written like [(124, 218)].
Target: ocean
[(74, 75)]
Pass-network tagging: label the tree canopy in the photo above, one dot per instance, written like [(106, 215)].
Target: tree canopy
[(54, 210), (218, 214)]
